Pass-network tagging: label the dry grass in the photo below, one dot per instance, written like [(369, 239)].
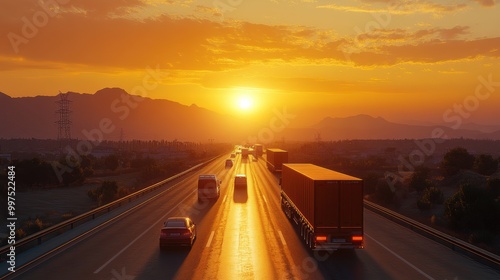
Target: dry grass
[(58, 204)]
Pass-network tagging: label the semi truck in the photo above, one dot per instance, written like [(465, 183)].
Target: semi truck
[(326, 206), (244, 152), (257, 148), (275, 159)]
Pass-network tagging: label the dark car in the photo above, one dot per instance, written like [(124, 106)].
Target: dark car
[(178, 231), (240, 181), (229, 163)]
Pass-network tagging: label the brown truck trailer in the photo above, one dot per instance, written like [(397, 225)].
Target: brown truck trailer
[(326, 206), (275, 158)]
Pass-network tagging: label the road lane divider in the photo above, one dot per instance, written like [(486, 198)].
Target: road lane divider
[(210, 239), (155, 224), (282, 238)]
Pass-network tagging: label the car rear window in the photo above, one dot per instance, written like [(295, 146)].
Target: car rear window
[(206, 184), (176, 224), (240, 180)]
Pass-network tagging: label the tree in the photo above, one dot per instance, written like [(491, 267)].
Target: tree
[(34, 173), (105, 193), (109, 189), (419, 180), (111, 162), (472, 208), (485, 165), (456, 160)]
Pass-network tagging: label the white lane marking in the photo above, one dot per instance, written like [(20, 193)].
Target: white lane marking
[(401, 258), (282, 238), (155, 224), (265, 200), (224, 200), (210, 239)]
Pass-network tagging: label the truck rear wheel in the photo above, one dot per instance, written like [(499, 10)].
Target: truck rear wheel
[(311, 241)]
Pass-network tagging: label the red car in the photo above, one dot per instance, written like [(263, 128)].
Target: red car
[(178, 231)]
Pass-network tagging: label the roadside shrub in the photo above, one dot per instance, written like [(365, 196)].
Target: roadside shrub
[(20, 233), (431, 195), (33, 226), (481, 236), (122, 192), (472, 208), (434, 195), (105, 193), (419, 180), (424, 203)]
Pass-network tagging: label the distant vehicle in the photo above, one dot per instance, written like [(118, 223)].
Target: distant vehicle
[(208, 187), (233, 155), (258, 150), (244, 152), (177, 231), (327, 206), (275, 159), (240, 181), (229, 163)]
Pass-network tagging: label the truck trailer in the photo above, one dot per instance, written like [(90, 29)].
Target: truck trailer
[(244, 152), (258, 150), (275, 159), (325, 205)]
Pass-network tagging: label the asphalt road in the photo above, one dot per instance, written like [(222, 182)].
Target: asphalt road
[(245, 235)]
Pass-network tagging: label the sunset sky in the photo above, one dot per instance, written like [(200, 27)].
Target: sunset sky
[(401, 60)]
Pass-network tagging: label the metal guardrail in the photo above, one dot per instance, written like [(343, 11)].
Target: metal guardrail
[(50, 232), (455, 244)]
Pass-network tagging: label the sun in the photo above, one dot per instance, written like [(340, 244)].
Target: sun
[(245, 103), (245, 100)]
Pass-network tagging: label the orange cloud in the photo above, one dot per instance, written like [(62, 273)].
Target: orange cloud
[(397, 7), (486, 3), (198, 44)]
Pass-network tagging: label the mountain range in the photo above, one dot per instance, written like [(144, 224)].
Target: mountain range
[(114, 114)]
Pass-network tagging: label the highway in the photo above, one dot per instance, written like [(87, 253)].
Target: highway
[(245, 235)]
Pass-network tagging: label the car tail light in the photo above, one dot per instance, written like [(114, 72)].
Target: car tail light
[(186, 233)]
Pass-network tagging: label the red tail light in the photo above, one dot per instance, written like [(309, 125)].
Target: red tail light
[(320, 238), (357, 238)]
